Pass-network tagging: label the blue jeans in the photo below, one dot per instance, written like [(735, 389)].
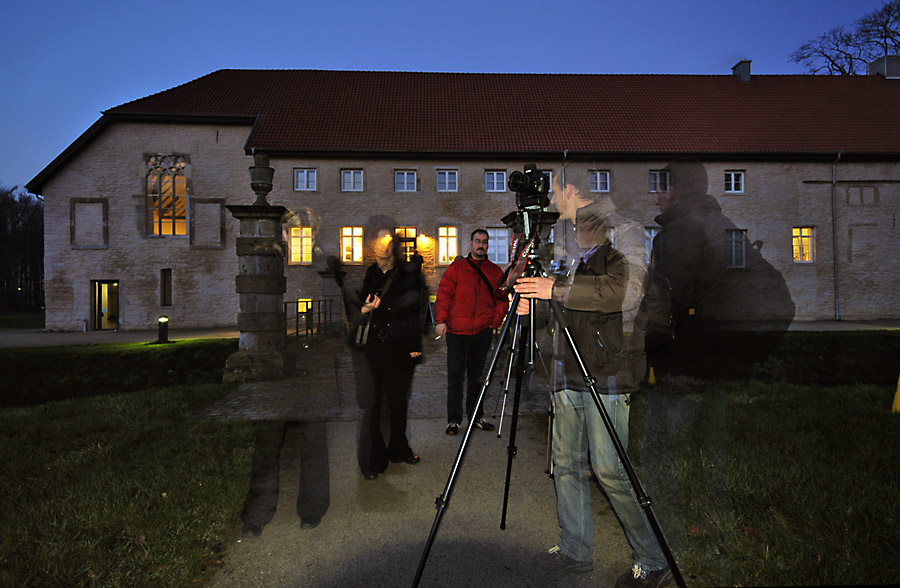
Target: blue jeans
[(579, 434)]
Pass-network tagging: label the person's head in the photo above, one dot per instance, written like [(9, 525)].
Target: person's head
[(384, 245), (687, 179), (478, 244), (569, 198)]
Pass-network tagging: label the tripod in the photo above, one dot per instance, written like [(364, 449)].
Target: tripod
[(533, 269)]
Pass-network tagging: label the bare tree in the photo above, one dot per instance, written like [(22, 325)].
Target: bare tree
[(21, 251), (847, 52)]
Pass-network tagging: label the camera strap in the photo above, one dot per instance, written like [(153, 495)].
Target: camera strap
[(483, 277)]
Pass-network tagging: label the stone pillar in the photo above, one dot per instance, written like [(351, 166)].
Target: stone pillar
[(260, 285)]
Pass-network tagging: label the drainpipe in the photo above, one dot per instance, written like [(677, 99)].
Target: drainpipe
[(837, 298)]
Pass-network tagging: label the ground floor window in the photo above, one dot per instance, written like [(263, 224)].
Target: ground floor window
[(407, 238), (804, 244), (300, 246), (447, 245), (498, 245), (736, 250), (352, 245)]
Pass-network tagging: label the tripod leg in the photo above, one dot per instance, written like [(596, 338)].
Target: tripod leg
[(443, 501), (509, 367), (642, 498)]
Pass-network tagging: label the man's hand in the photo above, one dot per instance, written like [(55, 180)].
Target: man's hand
[(541, 288), (440, 329)]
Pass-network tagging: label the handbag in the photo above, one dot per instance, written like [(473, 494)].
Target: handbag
[(359, 330)]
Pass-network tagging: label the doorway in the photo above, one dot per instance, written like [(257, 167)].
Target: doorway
[(104, 305)]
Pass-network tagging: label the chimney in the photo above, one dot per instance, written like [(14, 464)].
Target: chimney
[(887, 66), (741, 70)]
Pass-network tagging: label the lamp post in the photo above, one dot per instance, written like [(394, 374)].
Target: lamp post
[(163, 323)]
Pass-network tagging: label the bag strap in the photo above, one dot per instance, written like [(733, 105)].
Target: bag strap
[(483, 277)]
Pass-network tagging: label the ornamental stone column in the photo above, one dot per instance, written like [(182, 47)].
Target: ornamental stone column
[(260, 285)]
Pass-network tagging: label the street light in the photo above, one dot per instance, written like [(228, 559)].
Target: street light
[(163, 329)]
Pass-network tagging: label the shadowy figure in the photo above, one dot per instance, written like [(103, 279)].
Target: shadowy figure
[(313, 498), (718, 289)]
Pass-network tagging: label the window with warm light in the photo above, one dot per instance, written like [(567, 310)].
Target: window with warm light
[(447, 245), (300, 246), (304, 305), (804, 244), (406, 236), (166, 185), (352, 245), (498, 245), (736, 248)]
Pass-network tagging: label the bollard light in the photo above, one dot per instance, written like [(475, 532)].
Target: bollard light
[(163, 329)]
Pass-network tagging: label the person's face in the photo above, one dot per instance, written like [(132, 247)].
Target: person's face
[(479, 246), (665, 200), (563, 199), (383, 244)]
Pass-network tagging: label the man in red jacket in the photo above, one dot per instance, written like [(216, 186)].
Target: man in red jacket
[(468, 308)]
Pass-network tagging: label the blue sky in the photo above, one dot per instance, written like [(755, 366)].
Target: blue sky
[(65, 62)]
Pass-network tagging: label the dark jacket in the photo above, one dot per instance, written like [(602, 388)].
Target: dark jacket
[(397, 322), (465, 303)]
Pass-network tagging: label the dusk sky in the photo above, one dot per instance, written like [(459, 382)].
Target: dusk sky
[(65, 62)]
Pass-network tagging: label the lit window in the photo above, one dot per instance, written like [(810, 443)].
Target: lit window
[(351, 180), (804, 241), (304, 305), (736, 249), (650, 233), (598, 181), (300, 246), (406, 236), (495, 181), (734, 182), (659, 180), (447, 180), (404, 181), (166, 195), (447, 244), (352, 244), (305, 180), (498, 245)]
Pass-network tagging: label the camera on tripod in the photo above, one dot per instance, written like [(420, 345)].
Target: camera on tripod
[(532, 187)]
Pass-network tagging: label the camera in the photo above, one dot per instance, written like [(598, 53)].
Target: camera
[(532, 187)]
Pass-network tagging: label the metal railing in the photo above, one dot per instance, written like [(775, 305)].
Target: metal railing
[(313, 320)]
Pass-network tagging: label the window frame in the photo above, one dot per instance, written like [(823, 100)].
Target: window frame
[(736, 247), (797, 244), (494, 173), (352, 243), (300, 246), (730, 184), (304, 186), (447, 244), (158, 214), (455, 174), (596, 173), (406, 172), (352, 183), (654, 180), (408, 244), (495, 240)]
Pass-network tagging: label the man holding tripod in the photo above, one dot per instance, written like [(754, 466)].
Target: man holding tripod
[(600, 296), (468, 308)]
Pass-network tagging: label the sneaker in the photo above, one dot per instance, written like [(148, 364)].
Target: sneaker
[(557, 562), (638, 577), (484, 425), (452, 429)]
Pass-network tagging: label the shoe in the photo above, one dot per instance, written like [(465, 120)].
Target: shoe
[(413, 459), (310, 522), (452, 429), (484, 425), (558, 563), (638, 577)]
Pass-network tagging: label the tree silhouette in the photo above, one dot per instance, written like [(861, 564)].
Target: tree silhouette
[(21, 251)]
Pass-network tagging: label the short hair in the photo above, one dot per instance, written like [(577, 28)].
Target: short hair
[(476, 231), (689, 178)]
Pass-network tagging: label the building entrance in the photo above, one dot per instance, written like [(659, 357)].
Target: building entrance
[(104, 305)]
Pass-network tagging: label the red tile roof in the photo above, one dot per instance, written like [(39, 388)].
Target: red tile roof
[(310, 111)]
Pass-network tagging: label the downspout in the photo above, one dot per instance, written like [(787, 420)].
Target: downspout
[(837, 298)]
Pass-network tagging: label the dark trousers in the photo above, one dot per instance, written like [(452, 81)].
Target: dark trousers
[(466, 355), (392, 374)]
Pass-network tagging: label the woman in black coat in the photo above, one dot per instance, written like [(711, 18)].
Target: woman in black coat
[(392, 291)]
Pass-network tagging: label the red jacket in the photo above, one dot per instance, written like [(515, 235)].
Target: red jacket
[(464, 303)]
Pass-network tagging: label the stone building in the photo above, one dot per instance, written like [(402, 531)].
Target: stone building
[(136, 226)]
